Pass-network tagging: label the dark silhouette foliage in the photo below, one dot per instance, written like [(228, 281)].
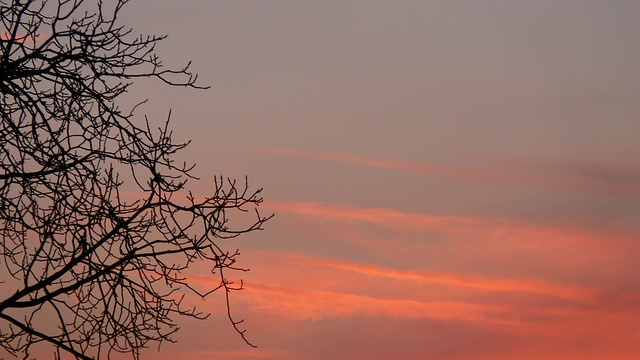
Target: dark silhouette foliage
[(85, 267)]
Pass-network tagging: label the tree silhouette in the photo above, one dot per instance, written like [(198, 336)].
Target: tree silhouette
[(86, 268)]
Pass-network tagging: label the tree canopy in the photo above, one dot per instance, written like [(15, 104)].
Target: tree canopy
[(87, 268)]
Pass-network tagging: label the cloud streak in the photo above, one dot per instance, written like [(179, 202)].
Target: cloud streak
[(457, 172), (569, 176), (314, 305), (301, 298), (534, 318), (456, 225), (576, 293)]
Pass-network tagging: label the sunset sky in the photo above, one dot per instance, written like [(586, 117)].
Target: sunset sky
[(451, 179)]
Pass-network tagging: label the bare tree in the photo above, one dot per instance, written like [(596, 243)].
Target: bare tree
[(86, 268)]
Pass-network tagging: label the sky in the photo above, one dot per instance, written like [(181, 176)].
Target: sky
[(451, 180)]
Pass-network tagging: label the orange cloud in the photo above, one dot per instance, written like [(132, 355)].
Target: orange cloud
[(536, 318), (314, 305), (23, 39), (488, 227), (558, 321), (576, 293), (294, 294), (301, 297)]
